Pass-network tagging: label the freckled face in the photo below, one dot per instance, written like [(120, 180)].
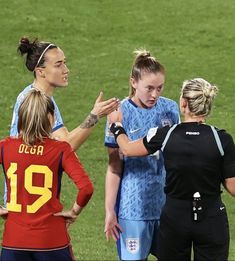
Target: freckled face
[(148, 89)]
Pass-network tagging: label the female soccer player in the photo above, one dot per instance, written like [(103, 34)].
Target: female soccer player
[(48, 64), (198, 159), (134, 186), (35, 226)]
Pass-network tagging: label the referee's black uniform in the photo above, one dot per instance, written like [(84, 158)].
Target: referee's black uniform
[(198, 158)]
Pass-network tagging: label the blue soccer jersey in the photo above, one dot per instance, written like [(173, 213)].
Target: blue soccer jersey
[(141, 193), (14, 131)]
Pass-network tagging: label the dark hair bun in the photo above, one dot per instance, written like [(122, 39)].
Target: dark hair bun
[(25, 46)]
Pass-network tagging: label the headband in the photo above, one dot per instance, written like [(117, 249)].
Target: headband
[(40, 58)]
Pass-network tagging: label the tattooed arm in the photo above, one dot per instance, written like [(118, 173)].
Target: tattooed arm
[(78, 136), (90, 121)]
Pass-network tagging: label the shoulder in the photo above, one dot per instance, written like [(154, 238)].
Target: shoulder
[(158, 133), (9, 141), (224, 135), (125, 103), (127, 108), (166, 101), (125, 100), (23, 93), (60, 145)]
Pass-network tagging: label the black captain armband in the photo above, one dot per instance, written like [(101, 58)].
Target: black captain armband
[(116, 130)]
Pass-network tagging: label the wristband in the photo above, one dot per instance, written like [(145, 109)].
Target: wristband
[(117, 130)]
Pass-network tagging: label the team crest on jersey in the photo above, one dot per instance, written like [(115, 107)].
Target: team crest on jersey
[(133, 245), (166, 122)]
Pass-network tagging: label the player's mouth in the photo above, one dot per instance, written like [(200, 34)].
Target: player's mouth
[(65, 78), (152, 102)]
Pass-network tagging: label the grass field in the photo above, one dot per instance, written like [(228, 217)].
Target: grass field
[(191, 38)]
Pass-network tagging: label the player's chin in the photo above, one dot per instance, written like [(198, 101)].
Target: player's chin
[(63, 84), (150, 104)]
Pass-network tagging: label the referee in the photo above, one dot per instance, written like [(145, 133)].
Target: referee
[(198, 159)]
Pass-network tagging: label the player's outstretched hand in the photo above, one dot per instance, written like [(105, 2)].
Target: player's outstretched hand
[(112, 228), (3, 212), (102, 108)]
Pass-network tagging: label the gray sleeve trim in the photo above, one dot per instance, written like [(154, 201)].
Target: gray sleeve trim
[(218, 141), (167, 136)]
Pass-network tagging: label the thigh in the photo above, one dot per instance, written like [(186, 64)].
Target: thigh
[(15, 255), (136, 239), (174, 235), (211, 240), (64, 254)]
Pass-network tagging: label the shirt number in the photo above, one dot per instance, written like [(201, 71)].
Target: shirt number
[(44, 192)]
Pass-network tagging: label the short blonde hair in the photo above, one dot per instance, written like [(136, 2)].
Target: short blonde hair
[(33, 123), (200, 95)]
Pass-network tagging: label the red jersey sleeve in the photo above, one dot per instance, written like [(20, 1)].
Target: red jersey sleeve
[(76, 172)]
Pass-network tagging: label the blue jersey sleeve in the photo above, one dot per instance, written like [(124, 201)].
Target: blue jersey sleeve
[(14, 130), (15, 117), (58, 119), (109, 140)]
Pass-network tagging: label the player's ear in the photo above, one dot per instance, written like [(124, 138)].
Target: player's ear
[(40, 72), (183, 104), (133, 82)]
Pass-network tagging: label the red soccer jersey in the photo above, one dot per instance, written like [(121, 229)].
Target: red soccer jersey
[(33, 178)]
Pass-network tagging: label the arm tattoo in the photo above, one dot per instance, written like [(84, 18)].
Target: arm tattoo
[(90, 121)]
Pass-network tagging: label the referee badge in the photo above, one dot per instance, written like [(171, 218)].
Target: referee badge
[(132, 245)]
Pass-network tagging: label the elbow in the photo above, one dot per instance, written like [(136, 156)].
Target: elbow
[(229, 184), (85, 194), (231, 189), (90, 190), (125, 151), (232, 192)]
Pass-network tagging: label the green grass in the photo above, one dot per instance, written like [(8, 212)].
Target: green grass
[(191, 38)]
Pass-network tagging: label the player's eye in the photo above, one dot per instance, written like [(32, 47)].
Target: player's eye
[(150, 88)]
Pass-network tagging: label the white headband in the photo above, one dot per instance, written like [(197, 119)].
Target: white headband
[(40, 58)]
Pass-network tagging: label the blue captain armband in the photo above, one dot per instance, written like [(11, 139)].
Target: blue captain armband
[(117, 129)]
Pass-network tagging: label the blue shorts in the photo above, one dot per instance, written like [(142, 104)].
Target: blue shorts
[(138, 239), (64, 254)]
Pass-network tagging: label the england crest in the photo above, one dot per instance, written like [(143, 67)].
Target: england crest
[(132, 245), (166, 122)]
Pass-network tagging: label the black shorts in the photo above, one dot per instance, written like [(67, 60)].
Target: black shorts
[(179, 234)]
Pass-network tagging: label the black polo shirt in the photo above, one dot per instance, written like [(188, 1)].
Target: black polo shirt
[(193, 160)]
